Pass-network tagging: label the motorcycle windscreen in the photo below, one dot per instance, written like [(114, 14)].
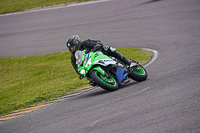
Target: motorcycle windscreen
[(78, 56)]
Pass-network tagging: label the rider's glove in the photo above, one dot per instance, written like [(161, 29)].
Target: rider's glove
[(106, 47), (110, 48), (97, 47)]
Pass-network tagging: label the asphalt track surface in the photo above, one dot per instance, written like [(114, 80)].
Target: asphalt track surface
[(167, 102)]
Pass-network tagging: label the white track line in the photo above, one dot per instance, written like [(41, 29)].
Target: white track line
[(119, 99), (86, 3), (106, 118), (155, 56), (71, 5)]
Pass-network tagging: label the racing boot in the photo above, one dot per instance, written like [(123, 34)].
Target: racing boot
[(128, 62)]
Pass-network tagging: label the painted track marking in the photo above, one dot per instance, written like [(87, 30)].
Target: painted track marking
[(119, 99), (70, 5), (155, 56), (106, 118)]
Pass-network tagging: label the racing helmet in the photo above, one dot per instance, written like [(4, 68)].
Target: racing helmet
[(73, 43)]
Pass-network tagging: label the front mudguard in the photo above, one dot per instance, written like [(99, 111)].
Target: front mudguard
[(99, 69)]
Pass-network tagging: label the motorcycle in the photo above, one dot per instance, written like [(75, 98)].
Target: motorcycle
[(107, 72)]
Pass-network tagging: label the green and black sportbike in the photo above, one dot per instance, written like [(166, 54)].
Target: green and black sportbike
[(107, 72)]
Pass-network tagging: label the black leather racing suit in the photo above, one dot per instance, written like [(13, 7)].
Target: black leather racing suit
[(95, 45)]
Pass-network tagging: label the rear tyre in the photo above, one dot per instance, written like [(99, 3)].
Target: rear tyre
[(138, 73), (109, 84)]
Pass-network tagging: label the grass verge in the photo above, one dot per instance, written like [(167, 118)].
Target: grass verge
[(30, 80), (8, 6)]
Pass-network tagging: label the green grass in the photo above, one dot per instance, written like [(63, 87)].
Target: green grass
[(30, 80), (8, 6)]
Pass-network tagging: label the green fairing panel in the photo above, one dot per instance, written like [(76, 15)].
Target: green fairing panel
[(99, 69), (102, 56)]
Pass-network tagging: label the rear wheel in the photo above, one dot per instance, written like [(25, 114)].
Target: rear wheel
[(109, 84), (138, 73)]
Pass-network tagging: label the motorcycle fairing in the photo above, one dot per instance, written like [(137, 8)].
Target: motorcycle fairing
[(121, 74)]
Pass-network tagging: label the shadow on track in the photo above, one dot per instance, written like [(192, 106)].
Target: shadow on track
[(102, 91), (152, 1), (132, 82), (95, 93)]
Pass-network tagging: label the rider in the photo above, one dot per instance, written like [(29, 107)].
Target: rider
[(74, 43)]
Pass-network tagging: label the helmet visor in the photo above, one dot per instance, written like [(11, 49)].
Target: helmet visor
[(71, 48)]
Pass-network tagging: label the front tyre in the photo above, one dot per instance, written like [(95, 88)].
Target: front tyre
[(138, 73), (109, 84)]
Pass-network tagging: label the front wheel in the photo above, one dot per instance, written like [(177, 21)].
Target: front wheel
[(138, 73), (109, 84)]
